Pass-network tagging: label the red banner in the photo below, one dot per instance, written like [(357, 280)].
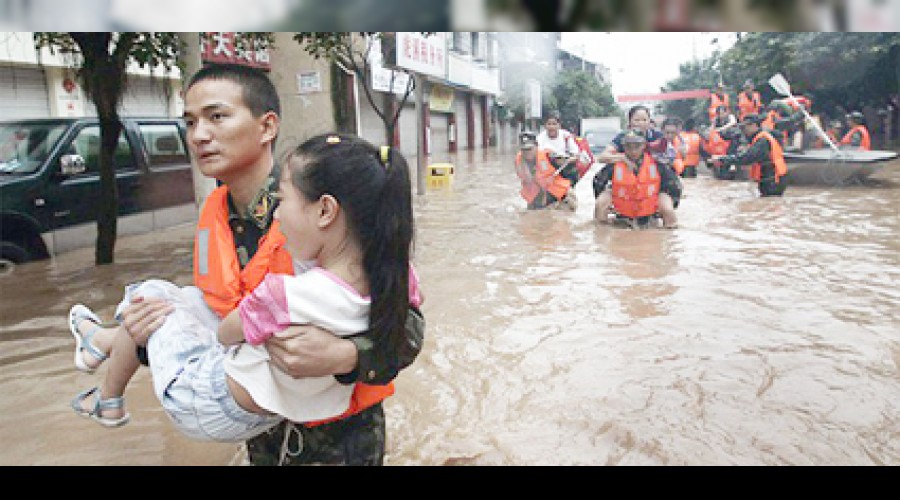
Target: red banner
[(666, 96), (220, 47)]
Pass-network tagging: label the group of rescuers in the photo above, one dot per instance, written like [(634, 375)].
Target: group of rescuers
[(642, 166)]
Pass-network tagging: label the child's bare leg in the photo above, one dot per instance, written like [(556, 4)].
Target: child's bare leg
[(121, 367)]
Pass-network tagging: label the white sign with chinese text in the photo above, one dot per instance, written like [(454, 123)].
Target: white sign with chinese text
[(426, 54), (309, 82), (383, 78)]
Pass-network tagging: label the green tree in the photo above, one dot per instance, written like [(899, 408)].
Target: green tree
[(517, 90), (842, 71), (692, 75), (578, 95), (104, 58), (351, 52)]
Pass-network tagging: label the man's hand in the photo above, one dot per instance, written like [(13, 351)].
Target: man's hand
[(309, 351), (144, 316)]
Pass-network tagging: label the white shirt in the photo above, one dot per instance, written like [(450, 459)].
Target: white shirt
[(315, 297), (564, 143)]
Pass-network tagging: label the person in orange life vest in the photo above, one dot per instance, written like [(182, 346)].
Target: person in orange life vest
[(782, 120), (232, 115), (726, 124), (764, 154), (560, 143), (858, 135), (691, 142), (790, 121), (542, 186), (638, 119), (638, 187), (749, 101), (223, 394), (672, 157), (717, 98)]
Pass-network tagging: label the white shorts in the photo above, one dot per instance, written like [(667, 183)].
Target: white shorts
[(188, 374)]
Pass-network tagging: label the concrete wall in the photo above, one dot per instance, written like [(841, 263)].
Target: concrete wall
[(303, 115)]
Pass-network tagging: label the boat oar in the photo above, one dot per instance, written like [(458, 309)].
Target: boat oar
[(781, 85)]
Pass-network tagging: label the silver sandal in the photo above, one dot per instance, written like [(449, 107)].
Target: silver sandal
[(100, 405)]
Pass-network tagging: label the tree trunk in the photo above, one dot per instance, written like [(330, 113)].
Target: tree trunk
[(104, 77)]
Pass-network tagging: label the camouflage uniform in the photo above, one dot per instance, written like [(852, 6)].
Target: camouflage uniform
[(355, 440)]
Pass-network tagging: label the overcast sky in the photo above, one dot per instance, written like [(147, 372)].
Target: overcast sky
[(642, 62)]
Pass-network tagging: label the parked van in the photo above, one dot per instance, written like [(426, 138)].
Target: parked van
[(50, 182)]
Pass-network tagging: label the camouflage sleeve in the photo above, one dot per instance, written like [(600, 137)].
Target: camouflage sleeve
[(378, 367), (756, 153)]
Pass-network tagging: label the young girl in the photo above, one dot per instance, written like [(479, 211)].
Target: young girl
[(346, 214)]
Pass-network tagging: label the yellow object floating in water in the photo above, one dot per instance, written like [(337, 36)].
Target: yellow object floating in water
[(440, 175)]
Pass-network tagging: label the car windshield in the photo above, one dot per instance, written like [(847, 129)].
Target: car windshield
[(24, 146), (599, 139)]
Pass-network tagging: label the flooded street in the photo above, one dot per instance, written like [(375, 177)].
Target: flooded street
[(760, 332)]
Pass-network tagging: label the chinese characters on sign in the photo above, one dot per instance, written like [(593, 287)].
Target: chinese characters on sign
[(223, 47), (425, 54)]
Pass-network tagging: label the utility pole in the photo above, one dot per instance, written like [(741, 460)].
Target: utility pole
[(421, 136)]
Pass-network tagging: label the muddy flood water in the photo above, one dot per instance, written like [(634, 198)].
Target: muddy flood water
[(760, 332)]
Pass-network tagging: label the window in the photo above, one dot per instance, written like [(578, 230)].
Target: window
[(163, 144), (87, 145), (24, 147)]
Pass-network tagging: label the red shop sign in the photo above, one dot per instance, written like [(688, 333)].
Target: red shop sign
[(220, 47)]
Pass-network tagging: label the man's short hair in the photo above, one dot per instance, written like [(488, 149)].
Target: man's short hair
[(258, 91), (752, 118), (634, 136)]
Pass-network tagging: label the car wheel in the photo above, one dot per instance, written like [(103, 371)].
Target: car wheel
[(13, 252)]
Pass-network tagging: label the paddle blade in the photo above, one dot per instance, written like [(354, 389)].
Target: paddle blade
[(780, 85)]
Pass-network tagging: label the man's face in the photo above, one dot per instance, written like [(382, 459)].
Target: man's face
[(634, 151), (670, 131), (529, 154), (223, 135)]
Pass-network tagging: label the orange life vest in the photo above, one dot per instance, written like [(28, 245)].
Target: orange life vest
[(776, 154), (715, 144), (714, 102), (865, 144), (546, 177), (218, 274), (749, 104), (636, 195), (692, 145), (797, 101), (678, 164), (530, 188)]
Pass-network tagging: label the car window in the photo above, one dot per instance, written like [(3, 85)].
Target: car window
[(25, 146), (600, 138), (87, 145), (163, 144)]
